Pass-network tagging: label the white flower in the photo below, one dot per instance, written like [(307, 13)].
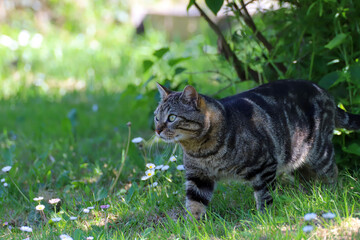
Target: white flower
[(144, 178), (336, 132), (86, 210), (65, 237), (38, 198), (148, 174), (3, 180), (54, 200), (23, 38), (176, 192), (150, 166), (5, 184), (26, 229), (172, 158), (328, 215), (180, 167), (154, 184), (308, 228), (89, 238), (95, 108), (73, 218), (26, 238), (36, 40), (57, 219), (8, 42), (159, 166), (90, 208), (165, 167), (137, 140), (6, 169), (40, 207), (310, 216)]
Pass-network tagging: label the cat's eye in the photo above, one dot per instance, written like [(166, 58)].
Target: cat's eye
[(171, 118), (156, 118)]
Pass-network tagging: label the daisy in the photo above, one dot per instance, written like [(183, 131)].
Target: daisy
[(308, 228), (137, 140), (159, 167), (57, 219), (54, 200), (105, 206), (86, 210), (37, 199), (73, 218), (180, 167), (172, 158), (90, 238), (3, 180), (91, 208), (65, 237), (40, 207), (26, 229), (6, 169), (5, 184), (148, 174), (95, 108), (165, 167), (310, 216), (328, 215), (154, 184), (150, 166)]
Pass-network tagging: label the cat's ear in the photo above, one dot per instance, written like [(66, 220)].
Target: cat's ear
[(190, 95), (164, 92)]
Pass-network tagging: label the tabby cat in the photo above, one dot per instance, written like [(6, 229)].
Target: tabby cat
[(253, 136)]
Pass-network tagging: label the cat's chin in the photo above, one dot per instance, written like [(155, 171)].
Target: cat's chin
[(175, 139)]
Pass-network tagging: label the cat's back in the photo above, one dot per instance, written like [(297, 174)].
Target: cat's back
[(280, 91), (292, 95)]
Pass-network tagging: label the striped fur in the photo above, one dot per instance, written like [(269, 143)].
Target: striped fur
[(285, 126)]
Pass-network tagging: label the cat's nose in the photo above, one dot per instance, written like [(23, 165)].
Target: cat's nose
[(158, 131)]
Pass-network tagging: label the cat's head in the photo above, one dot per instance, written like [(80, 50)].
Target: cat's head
[(180, 115)]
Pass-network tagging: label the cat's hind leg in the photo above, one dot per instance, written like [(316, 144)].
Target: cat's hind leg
[(263, 184), (324, 165)]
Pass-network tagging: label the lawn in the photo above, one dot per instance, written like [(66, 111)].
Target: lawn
[(76, 124)]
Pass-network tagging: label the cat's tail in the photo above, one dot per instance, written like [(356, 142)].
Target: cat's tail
[(347, 120)]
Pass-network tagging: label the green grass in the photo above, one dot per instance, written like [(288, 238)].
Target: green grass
[(139, 211), (78, 163), (64, 110)]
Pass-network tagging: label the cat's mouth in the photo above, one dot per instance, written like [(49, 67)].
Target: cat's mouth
[(172, 139)]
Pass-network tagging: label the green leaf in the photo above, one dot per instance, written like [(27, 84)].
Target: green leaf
[(191, 2), (131, 192), (101, 194), (160, 52), (179, 70), (78, 234), (147, 64), (149, 80), (353, 148), (175, 61), (329, 80), (336, 41), (147, 232), (214, 5), (354, 71)]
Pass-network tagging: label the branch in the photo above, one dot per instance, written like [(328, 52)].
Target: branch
[(224, 88), (229, 54), (251, 24)]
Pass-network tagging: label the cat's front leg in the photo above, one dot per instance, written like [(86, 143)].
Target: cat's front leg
[(199, 191)]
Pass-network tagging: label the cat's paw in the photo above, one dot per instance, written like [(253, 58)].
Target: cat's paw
[(196, 209)]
